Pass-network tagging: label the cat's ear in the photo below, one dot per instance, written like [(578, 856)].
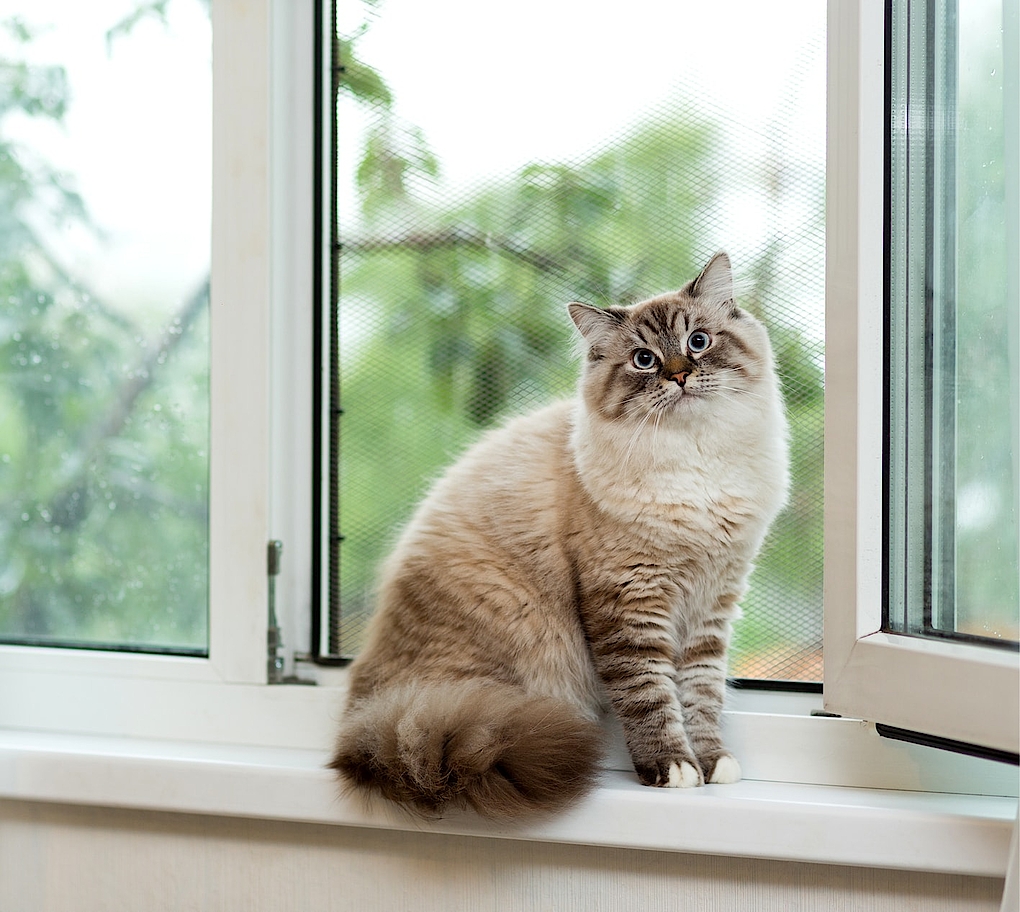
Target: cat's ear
[(594, 322), (715, 283)]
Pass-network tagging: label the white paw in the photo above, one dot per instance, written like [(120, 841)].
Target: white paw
[(683, 776), (726, 770)]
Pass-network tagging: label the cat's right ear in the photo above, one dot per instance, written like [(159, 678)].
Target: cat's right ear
[(594, 323)]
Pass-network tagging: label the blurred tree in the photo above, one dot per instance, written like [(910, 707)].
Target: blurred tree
[(452, 316), (103, 446), (985, 500)]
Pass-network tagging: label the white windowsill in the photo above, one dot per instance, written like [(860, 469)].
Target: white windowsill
[(847, 826)]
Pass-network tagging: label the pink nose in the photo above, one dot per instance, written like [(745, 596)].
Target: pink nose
[(681, 378)]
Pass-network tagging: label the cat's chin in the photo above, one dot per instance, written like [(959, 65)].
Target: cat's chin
[(681, 403), (684, 399)]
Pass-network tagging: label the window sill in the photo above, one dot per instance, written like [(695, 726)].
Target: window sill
[(921, 831)]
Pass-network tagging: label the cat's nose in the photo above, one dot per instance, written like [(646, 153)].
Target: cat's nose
[(681, 377)]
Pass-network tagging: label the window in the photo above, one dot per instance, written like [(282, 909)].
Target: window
[(261, 451), (259, 125), (482, 186), (104, 291), (935, 648)]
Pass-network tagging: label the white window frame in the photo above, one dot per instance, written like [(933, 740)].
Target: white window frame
[(260, 293), (953, 690), (193, 721)]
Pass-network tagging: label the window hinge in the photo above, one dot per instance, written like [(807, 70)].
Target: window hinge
[(274, 638), (274, 642)]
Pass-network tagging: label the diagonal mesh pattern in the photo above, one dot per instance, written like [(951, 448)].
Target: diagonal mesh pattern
[(452, 291)]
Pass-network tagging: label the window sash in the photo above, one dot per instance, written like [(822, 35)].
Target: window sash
[(952, 690), (261, 280), (240, 416)]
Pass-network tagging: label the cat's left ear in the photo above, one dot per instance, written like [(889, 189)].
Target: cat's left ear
[(593, 322), (715, 283)]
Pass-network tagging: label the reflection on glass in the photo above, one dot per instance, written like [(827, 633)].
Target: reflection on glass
[(954, 484), (104, 263), (587, 154), (986, 488)]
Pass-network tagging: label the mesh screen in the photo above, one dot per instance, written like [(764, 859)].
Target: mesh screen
[(453, 278)]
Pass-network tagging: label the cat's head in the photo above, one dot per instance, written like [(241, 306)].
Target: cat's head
[(675, 356)]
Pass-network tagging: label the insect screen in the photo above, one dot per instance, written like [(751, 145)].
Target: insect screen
[(483, 184)]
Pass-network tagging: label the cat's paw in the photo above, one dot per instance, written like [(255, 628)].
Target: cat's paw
[(726, 770), (670, 774), (683, 776)]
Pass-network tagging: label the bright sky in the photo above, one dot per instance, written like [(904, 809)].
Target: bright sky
[(494, 86), (136, 144), (498, 85)]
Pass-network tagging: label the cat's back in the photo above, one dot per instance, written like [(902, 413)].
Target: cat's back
[(483, 573), (514, 481)]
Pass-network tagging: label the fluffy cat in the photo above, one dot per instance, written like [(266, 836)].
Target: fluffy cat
[(588, 555)]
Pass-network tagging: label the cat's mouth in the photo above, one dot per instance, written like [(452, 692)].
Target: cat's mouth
[(673, 397), (681, 392)]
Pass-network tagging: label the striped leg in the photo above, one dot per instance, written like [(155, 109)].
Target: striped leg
[(701, 684), (633, 645)]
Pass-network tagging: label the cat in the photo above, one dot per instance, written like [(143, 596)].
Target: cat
[(587, 556)]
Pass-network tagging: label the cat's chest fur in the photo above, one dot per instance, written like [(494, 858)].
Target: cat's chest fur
[(686, 487)]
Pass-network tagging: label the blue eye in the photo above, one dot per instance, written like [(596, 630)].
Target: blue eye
[(643, 359), (698, 341)]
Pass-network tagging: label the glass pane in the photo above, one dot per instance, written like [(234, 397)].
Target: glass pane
[(955, 322), (986, 487), (600, 156), (105, 137)]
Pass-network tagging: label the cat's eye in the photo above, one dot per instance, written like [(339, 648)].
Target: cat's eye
[(643, 359), (698, 341)]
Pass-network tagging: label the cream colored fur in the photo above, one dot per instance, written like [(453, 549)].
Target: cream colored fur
[(590, 555)]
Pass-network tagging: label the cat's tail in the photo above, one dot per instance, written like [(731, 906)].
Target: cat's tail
[(492, 747)]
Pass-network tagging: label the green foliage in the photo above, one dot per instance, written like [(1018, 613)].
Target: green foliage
[(395, 155), (103, 430), (358, 80), (453, 316), (152, 9)]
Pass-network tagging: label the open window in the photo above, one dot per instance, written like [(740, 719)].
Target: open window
[(480, 187), (923, 335)]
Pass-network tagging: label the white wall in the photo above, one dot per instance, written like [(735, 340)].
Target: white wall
[(58, 858)]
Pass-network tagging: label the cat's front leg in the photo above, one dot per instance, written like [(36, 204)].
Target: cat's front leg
[(701, 685), (633, 647)]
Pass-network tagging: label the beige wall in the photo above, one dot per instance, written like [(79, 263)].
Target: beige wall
[(55, 858)]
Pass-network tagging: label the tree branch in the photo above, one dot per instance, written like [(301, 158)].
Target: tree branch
[(68, 506), (457, 236)]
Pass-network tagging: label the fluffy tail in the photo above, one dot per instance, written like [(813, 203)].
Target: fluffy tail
[(483, 745)]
